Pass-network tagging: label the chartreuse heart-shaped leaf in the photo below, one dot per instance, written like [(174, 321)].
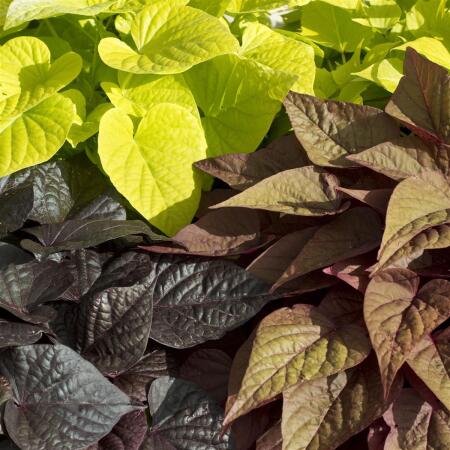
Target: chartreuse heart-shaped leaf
[(136, 94), (281, 53), (238, 99), (245, 6), (323, 413), (22, 11), (417, 219), (169, 38), (430, 360), (306, 191), (398, 315), (152, 166), (294, 345), (33, 115), (213, 7), (332, 26), (55, 394)]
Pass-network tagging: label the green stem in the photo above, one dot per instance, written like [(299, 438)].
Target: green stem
[(51, 28)]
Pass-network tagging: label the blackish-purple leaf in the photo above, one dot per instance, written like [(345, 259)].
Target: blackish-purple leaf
[(60, 401), (15, 333)]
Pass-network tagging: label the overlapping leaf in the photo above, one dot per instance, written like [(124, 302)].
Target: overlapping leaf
[(398, 315), (54, 390), (329, 130), (184, 417), (169, 38), (293, 346)]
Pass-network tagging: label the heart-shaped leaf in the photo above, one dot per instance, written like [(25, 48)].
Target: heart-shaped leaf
[(180, 38), (184, 417), (198, 299), (113, 326), (32, 114), (398, 315), (293, 346), (58, 397)]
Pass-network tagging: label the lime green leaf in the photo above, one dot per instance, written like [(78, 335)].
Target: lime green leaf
[(386, 73), (381, 14), (170, 38), (416, 220), (330, 130), (294, 345), (323, 413), (429, 18), (136, 94), (238, 99), (332, 26), (430, 360), (431, 48), (281, 53), (213, 7), (404, 157), (240, 6), (152, 168), (398, 315), (306, 191), (32, 115), (22, 11)]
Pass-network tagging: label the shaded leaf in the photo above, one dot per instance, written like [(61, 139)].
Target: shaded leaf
[(242, 170), (376, 198), (398, 315), (306, 191), (227, 231), (86, 267), (56, 393), (271, 439), (15, 207), (330, 130), (195, 300), (78, 234), (14, 333), (415, 425), (209, 368), (354, 232), (185, 417), (10, 254), (24, 288), (293, 346), (135, 381)]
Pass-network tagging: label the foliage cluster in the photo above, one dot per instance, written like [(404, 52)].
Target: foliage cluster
[(306, 307)]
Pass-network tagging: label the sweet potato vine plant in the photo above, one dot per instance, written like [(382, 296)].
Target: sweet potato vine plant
[(306, 308)]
